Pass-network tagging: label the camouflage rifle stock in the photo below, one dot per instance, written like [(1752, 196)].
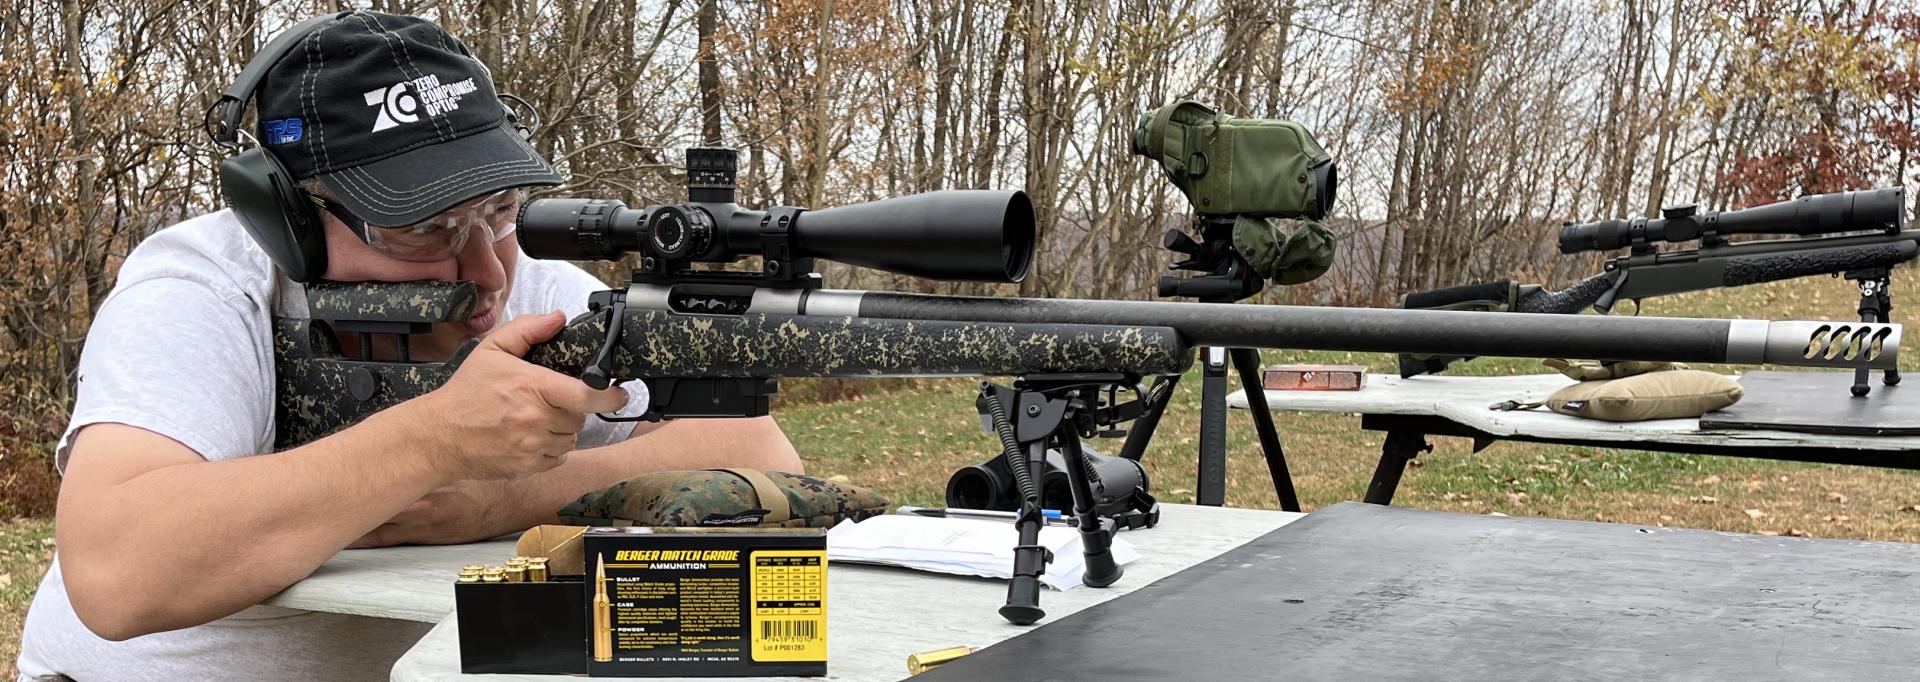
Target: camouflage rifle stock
[(690, 361)]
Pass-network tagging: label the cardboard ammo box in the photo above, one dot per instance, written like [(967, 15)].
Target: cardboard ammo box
[(1313, 378), (706, 602)]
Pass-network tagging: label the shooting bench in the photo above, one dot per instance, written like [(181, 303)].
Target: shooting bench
[(877, 616), (1412, 409)]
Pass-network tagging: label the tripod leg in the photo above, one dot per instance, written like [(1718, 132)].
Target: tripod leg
[(1211, 487), (1142, 432), (1096, 532), (1247, 361)]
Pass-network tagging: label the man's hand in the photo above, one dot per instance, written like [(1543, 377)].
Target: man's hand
[(501, 417), (466, 511)]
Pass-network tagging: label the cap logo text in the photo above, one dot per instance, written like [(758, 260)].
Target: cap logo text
[(404, 101)]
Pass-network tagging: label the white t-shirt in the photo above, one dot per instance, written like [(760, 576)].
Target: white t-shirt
[(183, 347)]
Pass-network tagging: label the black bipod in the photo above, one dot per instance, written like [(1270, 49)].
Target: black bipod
[(1876, 305), (1039, 413)]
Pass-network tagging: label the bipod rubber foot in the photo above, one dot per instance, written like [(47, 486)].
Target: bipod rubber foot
[(1022, 615)]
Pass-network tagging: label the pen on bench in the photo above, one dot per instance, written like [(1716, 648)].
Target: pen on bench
[(1051, 517)]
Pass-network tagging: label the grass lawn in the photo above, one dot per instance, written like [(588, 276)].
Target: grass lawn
[(906, 442)]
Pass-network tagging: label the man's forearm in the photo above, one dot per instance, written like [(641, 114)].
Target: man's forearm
[(687, 444), (270, 532)]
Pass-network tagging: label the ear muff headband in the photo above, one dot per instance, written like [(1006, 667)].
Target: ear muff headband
[(264, 196)]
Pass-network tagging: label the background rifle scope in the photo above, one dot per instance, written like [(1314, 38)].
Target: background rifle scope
[(1875, 209), (955, 235)]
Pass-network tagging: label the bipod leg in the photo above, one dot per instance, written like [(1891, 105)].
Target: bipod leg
[(1891, 376), (1024, 446), (1210, 486), (1874, 305), (1247, 362), (1030, 558), (1141, 434), (1096, 531)]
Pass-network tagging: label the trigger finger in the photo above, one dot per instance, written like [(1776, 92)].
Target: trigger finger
[(610, 399)]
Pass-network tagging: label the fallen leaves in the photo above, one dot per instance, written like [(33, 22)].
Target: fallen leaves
[(1704, 499), (1836, 497), (1756, 514)]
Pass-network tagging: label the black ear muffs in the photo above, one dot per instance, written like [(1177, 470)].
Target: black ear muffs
[(266, 199), (276, 211)]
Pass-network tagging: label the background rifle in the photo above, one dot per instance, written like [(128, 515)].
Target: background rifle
[(711, 343), (1645, 272)]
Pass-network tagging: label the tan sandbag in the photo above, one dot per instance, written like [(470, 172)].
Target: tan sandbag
[(1672, 394), (559, 544)]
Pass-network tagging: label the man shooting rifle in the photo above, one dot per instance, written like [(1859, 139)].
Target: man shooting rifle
[(383, 156)]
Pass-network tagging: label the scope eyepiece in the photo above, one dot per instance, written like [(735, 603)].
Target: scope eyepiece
[(679, 233)]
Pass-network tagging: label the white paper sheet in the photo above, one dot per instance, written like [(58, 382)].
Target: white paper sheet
[(961, 547)]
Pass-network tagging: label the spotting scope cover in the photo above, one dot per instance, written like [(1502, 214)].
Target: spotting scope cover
[(1864, 210)]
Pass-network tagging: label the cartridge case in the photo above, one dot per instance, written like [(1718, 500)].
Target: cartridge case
[(927, 660)]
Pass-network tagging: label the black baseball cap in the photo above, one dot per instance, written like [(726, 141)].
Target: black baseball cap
[(395, 116)]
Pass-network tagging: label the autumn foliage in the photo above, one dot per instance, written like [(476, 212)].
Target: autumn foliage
[(1467, 130)]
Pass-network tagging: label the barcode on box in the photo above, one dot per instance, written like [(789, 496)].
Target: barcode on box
[(788, 630)]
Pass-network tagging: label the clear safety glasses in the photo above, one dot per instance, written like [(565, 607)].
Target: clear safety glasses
[(440, 237)]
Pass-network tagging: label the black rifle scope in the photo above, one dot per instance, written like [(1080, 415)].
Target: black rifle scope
[(956, 235), (1858, 211)]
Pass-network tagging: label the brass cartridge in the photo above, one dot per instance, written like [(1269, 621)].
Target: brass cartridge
[(928, 660), (602, 615)]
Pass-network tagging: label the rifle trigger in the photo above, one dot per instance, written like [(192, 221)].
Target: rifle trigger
[(1636, 307)]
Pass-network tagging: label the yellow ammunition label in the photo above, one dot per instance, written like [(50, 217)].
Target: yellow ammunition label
[(789, 605)]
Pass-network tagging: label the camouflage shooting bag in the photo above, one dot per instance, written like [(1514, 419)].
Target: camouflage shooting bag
[(724, 497), (1228, 165)]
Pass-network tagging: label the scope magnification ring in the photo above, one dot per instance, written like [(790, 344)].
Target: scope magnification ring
[(677, 233)]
